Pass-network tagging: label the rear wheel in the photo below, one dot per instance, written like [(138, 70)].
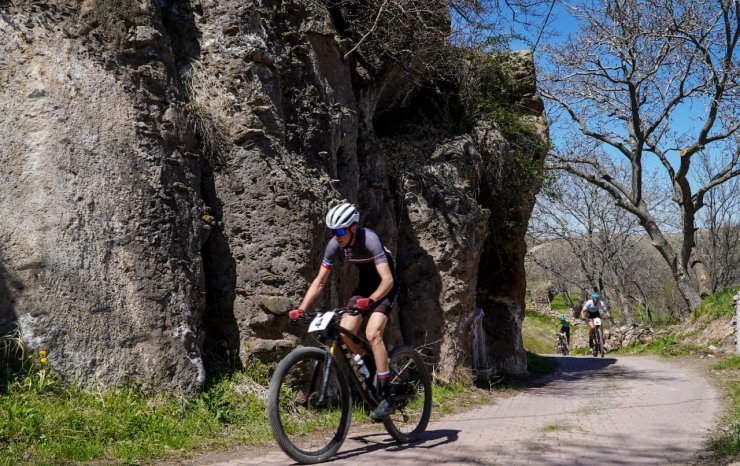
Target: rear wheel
[(309, 405), (411, 390)]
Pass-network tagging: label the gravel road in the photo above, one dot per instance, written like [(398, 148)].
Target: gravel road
[(613, 411)]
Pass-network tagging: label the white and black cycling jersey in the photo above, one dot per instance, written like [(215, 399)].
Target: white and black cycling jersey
[(594, 308), (366, 252)]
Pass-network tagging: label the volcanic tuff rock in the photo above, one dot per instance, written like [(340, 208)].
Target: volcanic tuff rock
[(167, 166)]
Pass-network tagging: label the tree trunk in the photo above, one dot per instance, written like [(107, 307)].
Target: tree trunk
[(624, 306), (686, 287), (701, 273)]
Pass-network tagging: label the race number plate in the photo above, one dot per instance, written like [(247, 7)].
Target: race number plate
[(320, 322), (597, 321)]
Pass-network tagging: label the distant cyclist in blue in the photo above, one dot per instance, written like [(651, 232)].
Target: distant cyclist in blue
[(374, 295)]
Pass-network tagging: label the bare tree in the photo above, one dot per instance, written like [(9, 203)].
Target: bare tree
[(624, 84), (429, 38), (719, 238), (603, 242)]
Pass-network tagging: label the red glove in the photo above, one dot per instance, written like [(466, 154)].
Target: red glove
[(364, 304), (295, 313)]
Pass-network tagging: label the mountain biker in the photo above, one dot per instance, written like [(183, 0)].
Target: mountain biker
[(565, 328), (591, 309), (374, 295)]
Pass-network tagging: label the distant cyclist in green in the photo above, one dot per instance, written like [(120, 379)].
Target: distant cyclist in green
[(565, 328)]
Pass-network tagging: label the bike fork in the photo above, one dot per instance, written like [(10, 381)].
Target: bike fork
[(328, 361)]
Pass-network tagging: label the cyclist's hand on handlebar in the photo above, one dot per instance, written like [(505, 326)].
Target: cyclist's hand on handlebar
[(364, 304), (295, 313)]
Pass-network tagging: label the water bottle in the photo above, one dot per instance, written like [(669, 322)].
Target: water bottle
[(361, 366)]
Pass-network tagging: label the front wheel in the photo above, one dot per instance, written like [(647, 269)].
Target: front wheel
[(599, 342), (562, 346), (309, 405), (411, 390)]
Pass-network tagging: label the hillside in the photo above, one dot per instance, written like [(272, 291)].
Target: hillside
[(710, 331)]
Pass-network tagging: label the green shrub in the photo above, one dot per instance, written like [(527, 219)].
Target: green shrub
[(716, 305), (666, 345)]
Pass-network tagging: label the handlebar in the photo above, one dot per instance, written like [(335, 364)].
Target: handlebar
[(309, 315)]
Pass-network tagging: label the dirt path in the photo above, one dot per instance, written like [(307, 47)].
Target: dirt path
[(615, 411)]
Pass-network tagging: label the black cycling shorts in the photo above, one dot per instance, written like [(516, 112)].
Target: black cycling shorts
[(385, 306)]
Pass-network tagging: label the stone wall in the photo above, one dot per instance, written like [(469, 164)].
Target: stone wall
[(167, 166)]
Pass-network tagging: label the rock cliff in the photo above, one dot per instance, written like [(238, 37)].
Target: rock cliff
[(167, 166)]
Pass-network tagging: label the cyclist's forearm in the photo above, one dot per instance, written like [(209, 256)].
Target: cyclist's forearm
[(313, 293)]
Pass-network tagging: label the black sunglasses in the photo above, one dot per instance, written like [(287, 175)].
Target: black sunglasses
[(339, 231)]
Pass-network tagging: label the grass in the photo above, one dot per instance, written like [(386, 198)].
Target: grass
[(442, 395), (716, 305), (538, 332), (45, 422), (667, 346), (560, 304), (726, 442), (557, 428), (731, 363)]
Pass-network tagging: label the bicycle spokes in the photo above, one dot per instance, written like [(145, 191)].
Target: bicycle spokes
[(309, 405), (411, 390)]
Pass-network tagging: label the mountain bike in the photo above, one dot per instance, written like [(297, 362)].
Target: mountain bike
[(562, 345), (309, 401), (598, 338)]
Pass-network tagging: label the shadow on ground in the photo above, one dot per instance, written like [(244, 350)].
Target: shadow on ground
[(574, 368), (382, 441)]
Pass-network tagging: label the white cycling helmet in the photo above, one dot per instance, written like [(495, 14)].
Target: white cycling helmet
[(342, 216)]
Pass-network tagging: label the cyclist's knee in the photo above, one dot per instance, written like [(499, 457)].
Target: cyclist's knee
[(374, 335)]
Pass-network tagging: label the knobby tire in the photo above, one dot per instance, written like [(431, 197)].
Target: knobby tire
[(600, 342), (307, 428), (563, 346), (411, 389)]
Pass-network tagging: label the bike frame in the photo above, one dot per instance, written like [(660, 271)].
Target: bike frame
[(332, 342), (598, 335)]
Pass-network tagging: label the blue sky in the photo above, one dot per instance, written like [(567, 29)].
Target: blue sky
[(563, 24)]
